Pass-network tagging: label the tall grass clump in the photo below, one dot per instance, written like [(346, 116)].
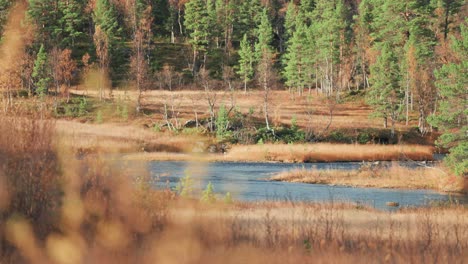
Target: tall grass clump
[(30, 173), (55, 208)]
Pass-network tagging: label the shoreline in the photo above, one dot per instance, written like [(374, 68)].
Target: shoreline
[(298, 153), (219, 158)]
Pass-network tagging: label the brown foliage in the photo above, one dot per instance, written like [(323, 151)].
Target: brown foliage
[(63, 67)]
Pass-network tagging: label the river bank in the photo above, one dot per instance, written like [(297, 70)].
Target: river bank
[(143, 144), (298, 153)]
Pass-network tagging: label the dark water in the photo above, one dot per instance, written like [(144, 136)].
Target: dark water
[(248, 182)]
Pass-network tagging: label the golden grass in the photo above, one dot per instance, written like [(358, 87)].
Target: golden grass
[(393, 177), (325, 152), (120, 138)]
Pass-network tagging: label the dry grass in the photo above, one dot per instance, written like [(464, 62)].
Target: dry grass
[(292, 153), (309, 111), (324, 152), (124, 138), (393, 177), (57, 209)]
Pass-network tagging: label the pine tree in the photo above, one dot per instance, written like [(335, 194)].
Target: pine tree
[(264, 56), (105, 15), (72, 22), (208, 195), (246, 60), (290, 21), (446, 10), (247, 18), (452, 115), (45, 15), (41, 73), (385, 93), (332, 26), (295, 70), (185, 186), (222, 122), (197, 22), (362, 32), (420, 64)]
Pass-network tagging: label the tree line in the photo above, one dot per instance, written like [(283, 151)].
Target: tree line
[(407, 56)]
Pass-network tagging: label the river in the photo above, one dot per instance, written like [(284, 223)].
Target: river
[(249, 182)]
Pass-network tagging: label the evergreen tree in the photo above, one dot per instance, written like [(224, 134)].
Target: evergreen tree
[(331, 23), (446, 10), (452, 115), (72, 22), (105, 15), (362, 32), (246, 60), (295, 70), (41, 72), (161, 13), (419, 64), (116, 58), (185, 186), (225, 20), (248, 15), (208, 195), (264, 56), (385, 93), (222, 122), (306, 8), (197, 22), (45, 15), (290, 21), (264, 35)]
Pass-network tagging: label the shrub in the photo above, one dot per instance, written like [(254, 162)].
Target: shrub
[(281, 134), (124, 113), (264, 135), (99, 118), (364, 138), (208, 195), (290, 135), (185, 186), (228, 198), (222, 123), (29, 168), (457, 160), (339, 137), (83, 107)]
